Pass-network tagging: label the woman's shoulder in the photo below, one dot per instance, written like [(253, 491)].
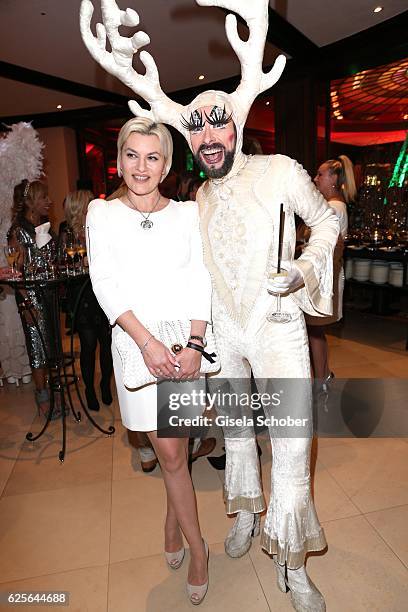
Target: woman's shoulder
[(99, 206), (187, 208)]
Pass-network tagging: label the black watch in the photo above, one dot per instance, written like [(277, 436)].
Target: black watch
[(201, 338)]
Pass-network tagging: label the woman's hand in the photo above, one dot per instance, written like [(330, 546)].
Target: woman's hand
[(159, 360), (190, 364)]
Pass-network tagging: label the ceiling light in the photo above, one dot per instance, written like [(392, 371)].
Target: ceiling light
[(405, 116), (378, 9), (339, 117), (59, 106), (201, 77), (267, 103)]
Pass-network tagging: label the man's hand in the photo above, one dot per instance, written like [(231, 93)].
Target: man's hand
[(289, 281)]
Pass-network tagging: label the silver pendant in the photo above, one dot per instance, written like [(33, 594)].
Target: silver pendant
[(146, 224)]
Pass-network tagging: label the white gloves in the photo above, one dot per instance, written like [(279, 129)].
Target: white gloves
[(42, 237), (287, 283)]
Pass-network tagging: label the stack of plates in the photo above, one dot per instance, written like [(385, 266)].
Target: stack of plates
[(361, 269), (348, 272), (396, 274), (379, 272)]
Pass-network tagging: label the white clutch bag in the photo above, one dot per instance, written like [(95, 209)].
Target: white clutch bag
[(174, 335)]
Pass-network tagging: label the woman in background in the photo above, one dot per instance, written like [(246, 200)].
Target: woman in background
[(90, 321), (29, 234), (335, 181)]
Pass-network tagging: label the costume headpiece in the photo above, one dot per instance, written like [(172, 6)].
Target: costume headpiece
[(162, 109), (20, 158)]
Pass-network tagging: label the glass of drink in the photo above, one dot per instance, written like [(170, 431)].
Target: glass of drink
[(12, 254), (70, 250), (81, 251), (277, 315)]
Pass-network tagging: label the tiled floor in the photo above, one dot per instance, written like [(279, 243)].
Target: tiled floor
[(93, 526)]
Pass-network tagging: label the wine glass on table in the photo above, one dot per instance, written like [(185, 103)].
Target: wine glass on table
[(70, 250), (81, 251)]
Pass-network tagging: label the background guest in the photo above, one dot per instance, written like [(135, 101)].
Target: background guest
[(90, 320), (335, 181), (31, 205)]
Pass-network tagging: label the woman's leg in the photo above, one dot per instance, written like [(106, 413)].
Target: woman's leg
[(173, 456), (39, 376), (88, 340), (318, 351)]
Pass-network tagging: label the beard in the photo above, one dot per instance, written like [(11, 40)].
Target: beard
[(210, 171)]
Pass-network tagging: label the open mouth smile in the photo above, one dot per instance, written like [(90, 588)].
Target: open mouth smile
[(213, 155), (138, 177)]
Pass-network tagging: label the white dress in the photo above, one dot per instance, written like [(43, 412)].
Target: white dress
[(157, 273), (340, 209)]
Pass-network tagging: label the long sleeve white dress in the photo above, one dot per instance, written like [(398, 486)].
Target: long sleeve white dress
[(157, 273)]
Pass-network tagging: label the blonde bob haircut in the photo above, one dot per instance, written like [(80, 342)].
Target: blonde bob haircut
[(147, 127)]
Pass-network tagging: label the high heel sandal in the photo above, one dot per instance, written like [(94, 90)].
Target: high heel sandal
[(175, 559), (196, 593)]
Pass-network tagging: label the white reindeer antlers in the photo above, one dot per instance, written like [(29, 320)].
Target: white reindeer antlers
[(119, 61), (250, 53)]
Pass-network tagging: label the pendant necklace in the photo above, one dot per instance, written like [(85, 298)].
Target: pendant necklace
[(146, 223)]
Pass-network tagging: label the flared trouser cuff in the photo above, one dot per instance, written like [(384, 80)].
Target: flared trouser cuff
[(242, 488), (293, 559)]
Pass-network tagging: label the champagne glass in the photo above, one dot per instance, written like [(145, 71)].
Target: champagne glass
[(70, 250), (12, 253), (278, 315), (81, 251)]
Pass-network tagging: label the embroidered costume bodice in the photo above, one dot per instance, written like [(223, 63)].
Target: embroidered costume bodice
[(239, 217)]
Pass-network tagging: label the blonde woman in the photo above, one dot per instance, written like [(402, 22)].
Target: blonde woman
[(90, 320), (335, 181), (146, 264)]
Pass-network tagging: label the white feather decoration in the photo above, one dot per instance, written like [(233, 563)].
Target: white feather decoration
[(20, 158)]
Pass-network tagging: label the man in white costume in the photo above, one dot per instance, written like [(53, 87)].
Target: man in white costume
[(240, 217)]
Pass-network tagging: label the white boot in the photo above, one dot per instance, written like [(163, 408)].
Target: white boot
[(281, 576), (239, 539), (304, 594)]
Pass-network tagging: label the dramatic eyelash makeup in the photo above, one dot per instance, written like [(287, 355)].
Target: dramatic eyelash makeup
[(217, 117), (196, 121)]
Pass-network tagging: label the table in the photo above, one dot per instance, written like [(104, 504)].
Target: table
[(63, 378), (380, 292)]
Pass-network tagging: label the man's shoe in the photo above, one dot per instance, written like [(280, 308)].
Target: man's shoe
[(239, 539), (207, 446), (148, 466)]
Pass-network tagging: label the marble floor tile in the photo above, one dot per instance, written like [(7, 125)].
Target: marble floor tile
[(147, 585), (392, 525), (54, 531), (87, 461), (87, 589), (373, 472)]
